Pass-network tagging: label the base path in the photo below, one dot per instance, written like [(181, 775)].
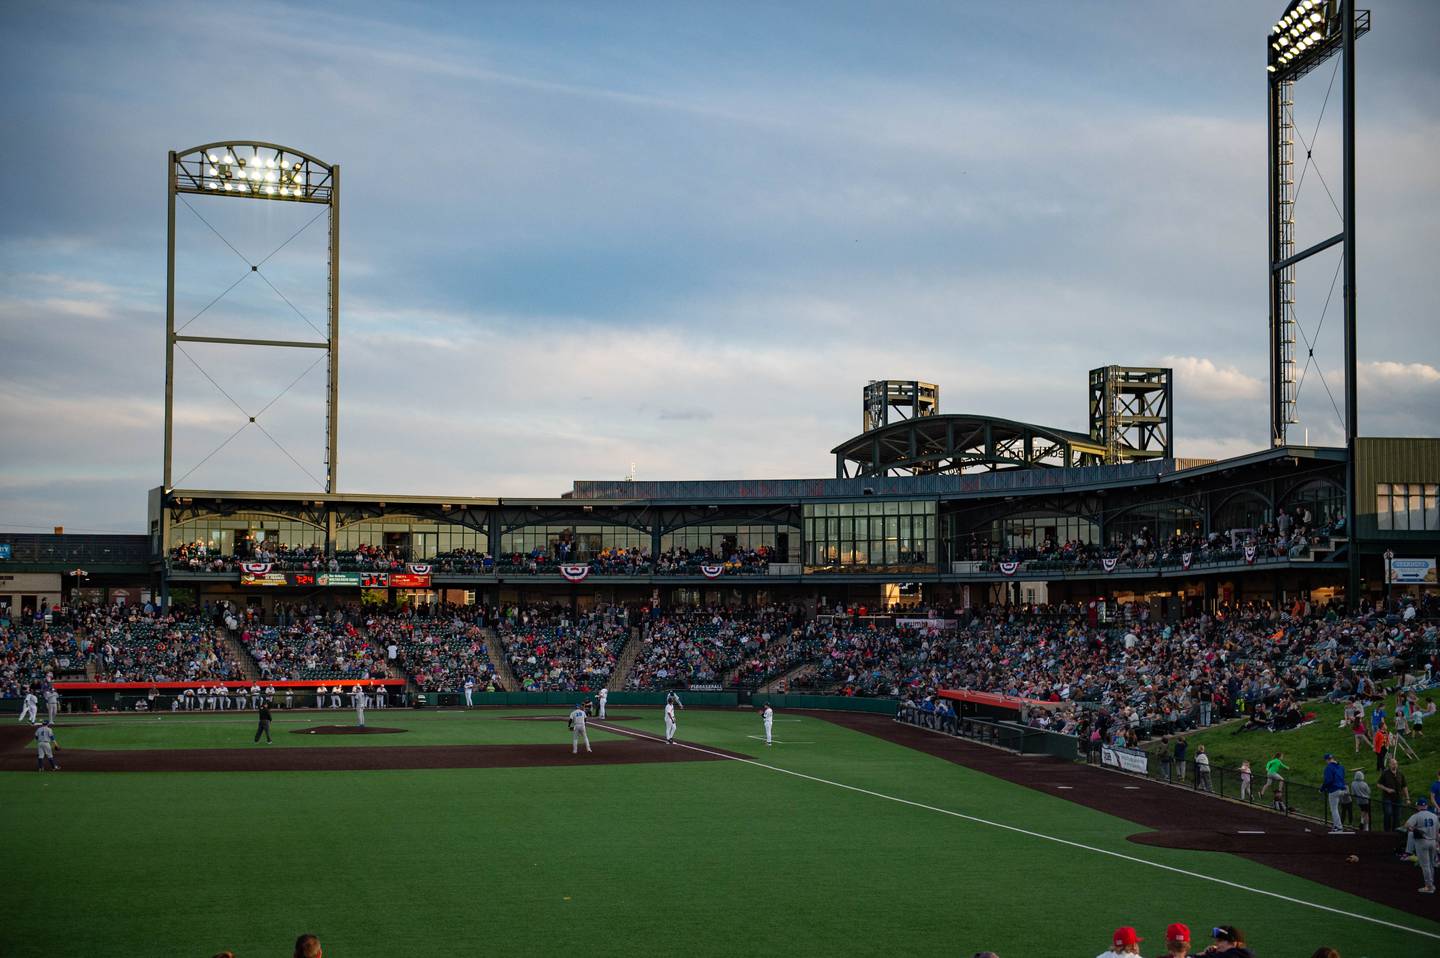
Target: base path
[(1181, 818), (268, 758)]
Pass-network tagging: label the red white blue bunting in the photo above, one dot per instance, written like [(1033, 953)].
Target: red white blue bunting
[(1109, 564), (576, 572), (1009, 568), (712, 571), (255, 568)]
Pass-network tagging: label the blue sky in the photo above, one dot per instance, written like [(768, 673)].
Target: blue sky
[(580, 236)]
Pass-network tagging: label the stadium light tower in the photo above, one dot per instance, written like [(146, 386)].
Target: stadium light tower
[(1308, 34), (253, 170)]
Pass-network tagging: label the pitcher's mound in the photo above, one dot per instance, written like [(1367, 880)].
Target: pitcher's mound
[(346, 730)]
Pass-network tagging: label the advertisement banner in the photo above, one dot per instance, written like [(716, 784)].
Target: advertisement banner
[(1412, 571), (1125, 759), (410, 580), (4, 550), (933, 625), (263, 578)]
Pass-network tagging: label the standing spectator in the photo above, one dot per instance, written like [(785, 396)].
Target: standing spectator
[(1181, 747), (1229, 941), (1333, 786), (1360, 799), (1165, 753), (1124, 942), (1381, 741), (1245, 780), (1202, 770), (1393, 791)]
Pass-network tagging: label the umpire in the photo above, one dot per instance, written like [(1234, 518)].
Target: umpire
[(264, 728)]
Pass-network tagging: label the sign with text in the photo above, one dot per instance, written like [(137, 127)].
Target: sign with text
[(1125, 759), (1412, 571)]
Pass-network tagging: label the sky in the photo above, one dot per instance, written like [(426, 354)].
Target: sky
[(675, 240)]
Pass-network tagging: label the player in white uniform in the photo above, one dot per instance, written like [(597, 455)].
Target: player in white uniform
[(577, 730), (357, 695), (240, 698), (670, 723), (29, 709), (45, 748), (603, 697), (767, 715), (52, 703), (1421, 830), (381, 694), (320, 696), (289, 697), (469, 691), (336, 694)]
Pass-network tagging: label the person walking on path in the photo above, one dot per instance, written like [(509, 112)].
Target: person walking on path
[(1393, 792), (1333, 787), (264, 727), (1381, 740)]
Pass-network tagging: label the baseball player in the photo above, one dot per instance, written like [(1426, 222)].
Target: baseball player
[(469, 691), (357, 695), (381, 694), (29, 709), (336, 696), (767, 716), (289, 697), (240, 698), (255, 693), (1422, 827), (670, 721), (269, 695), (45, 752), (52, 703), (187, 699), (320, 696), (577, 730), (603, 698), (210, 697)]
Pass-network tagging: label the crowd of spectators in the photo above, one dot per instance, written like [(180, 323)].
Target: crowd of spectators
[(551, 649), (1288, 537), (319, 646), (440, 651), (713, 647)]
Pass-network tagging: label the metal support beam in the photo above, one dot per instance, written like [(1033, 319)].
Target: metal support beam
[(1319, 247), (230, 341), (170, 184), (332, 397), (1352, 411)]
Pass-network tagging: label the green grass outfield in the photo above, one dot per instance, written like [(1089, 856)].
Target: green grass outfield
[(710, 858)]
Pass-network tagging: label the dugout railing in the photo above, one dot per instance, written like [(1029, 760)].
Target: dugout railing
[(1010, 736)]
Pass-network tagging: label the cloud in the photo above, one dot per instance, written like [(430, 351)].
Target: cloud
[(1202, 377)]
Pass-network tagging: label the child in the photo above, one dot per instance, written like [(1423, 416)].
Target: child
[(1245, 781)]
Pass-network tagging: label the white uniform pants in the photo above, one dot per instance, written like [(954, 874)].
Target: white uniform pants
[(51, 708), (28, 710), (577, 736), (1425, 854), (602, 708), (768, 726), (334, 701), (469, 703), (360, 715), (669, 729), (47, 751)]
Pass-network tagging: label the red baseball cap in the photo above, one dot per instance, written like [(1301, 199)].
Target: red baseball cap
[(1177, 932), (1125, 936)]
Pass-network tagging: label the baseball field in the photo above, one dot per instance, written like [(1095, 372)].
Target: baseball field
[(471, 832)]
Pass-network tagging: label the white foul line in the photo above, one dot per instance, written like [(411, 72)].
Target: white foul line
[(1041, 835)]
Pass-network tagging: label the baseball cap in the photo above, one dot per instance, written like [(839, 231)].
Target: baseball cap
[(1225, 933), (1328, 756), (1125, 936), (1177, 932)]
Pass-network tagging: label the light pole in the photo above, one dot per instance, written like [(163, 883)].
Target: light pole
[(1389, 560)]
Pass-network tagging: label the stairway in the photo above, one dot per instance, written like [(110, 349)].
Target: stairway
[(240, 653), (496, 650), (625, 662)]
